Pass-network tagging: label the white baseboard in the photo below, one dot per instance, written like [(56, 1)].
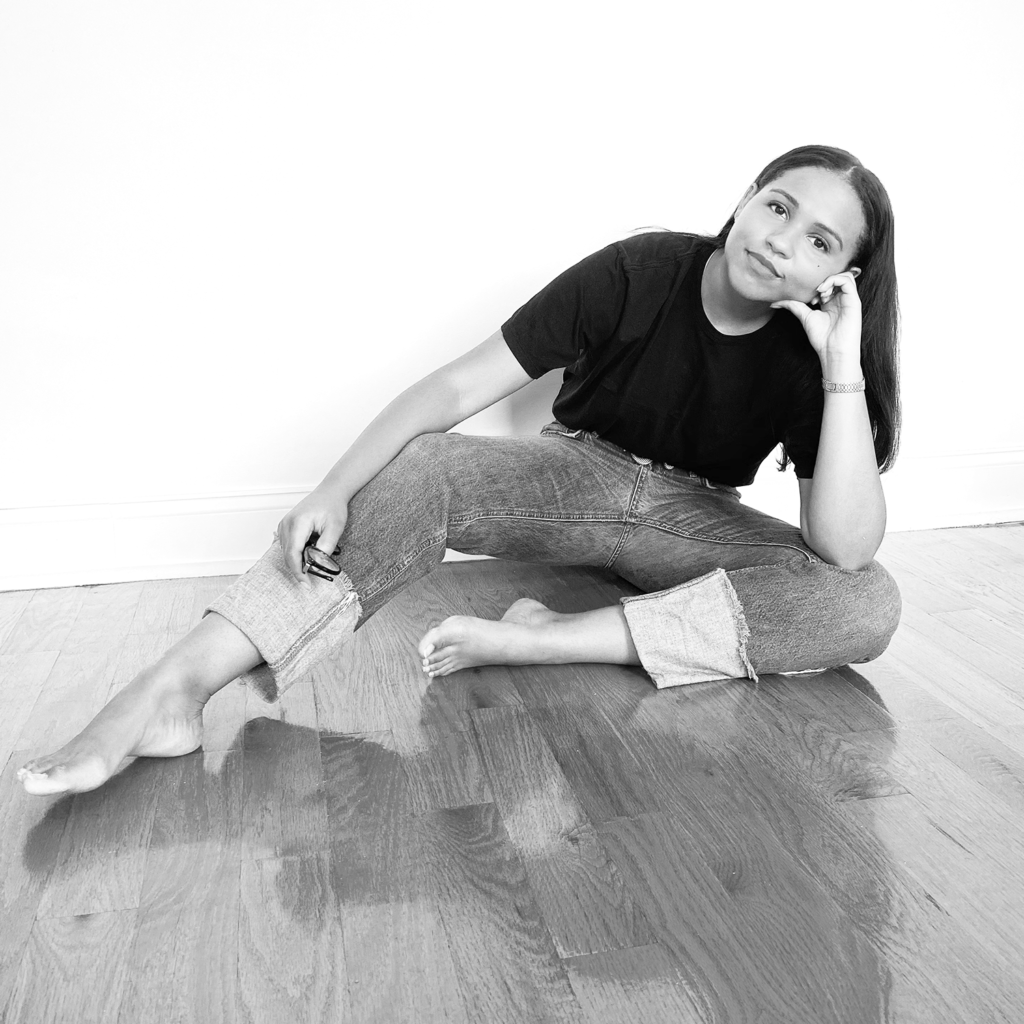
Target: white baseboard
[(71, 545)]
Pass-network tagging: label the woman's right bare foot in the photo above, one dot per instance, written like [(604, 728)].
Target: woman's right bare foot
[(155, 715)]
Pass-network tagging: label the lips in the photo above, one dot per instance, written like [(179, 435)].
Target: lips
[(767, 264)]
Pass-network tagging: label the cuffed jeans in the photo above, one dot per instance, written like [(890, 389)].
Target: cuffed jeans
[(728, 591)]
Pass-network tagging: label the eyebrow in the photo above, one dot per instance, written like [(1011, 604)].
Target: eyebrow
[(819, 225)]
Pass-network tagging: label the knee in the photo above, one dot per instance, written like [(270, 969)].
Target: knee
[(882, 606), (421, 464)]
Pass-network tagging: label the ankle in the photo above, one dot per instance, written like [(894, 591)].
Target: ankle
[(166, 678)]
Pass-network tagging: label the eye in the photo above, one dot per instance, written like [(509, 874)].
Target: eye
[(777, 208), (820, 244)]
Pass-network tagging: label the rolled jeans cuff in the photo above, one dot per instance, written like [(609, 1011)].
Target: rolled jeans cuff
[(292, 627), (691, 633)]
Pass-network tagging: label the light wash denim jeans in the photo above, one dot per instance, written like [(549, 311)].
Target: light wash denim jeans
[(728, 591)]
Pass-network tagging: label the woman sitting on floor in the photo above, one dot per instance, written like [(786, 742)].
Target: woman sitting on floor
[(687, 360)]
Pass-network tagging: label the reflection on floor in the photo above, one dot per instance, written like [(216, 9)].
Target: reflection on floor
[(526, 845)]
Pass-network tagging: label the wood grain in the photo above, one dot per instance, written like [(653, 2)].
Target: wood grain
[(528, 844), (586, 904), (45, 621), (29, 847), (291, 958), (12, 604), (74, 970), (164, 606), (501, 949), (642, 984), (22, 681), (106, 613)]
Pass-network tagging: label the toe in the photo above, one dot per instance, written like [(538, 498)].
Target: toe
[(436, 658), (427, 644), (43, 783)]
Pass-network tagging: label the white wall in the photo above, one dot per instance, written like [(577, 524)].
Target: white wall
[(201, 202)]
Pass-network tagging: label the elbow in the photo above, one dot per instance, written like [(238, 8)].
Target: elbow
[(851, 553)]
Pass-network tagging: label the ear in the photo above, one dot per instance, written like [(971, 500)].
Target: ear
[(747, 196), (855, 271)]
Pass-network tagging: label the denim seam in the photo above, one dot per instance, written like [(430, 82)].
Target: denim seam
[(321, 623), (514, 513), (399, 567), (627, 522), (655, 525)]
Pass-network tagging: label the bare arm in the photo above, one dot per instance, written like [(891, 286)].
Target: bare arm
[(842, 508), (436, 403)]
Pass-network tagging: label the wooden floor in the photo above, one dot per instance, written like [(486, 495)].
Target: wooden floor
[(535, 844)]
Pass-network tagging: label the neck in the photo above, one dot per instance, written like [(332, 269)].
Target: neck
[(728, 311)]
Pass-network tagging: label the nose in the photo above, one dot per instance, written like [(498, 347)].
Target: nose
[(780, 242)]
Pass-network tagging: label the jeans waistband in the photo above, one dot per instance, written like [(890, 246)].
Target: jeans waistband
[(593, 437)]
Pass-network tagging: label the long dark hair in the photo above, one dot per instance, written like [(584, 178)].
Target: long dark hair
[(876, 287)]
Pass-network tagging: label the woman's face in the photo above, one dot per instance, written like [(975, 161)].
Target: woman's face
[(787, 238)]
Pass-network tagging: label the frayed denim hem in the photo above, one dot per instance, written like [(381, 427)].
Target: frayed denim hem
[(293, 628), (692, 633)]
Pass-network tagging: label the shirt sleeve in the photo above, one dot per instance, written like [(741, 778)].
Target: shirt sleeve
[(579, 309), (800, 439)]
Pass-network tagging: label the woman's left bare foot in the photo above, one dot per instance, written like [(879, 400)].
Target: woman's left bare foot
[(520, 637)]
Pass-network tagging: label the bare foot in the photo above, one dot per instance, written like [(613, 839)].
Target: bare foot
[(153, 716), (519, 637)]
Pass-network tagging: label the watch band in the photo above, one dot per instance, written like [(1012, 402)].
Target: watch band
[(843, 389)]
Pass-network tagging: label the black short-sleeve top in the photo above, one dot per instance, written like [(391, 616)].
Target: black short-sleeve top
[(645, 369)]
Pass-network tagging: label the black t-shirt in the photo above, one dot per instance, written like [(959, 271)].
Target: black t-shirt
[(646, 370)]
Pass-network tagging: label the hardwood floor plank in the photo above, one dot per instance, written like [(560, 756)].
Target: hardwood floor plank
[(971, 816), (826, 697), (502, 952), (641, 984), (966, 691), (398, 964), (585, 903), (106, 614), (448, 772), (197, 826), (164, 606), (22, 680), (834, 762), (84, 671), (947, 872), (882, 680), (12, 604), (937, 580), (988, 633), (967, 655), (45, 621), (102, 854), (367, 793), (744, 954), (284, 809), (983, 758), (375, 681), (183, 965), (74, 970), (29, 847), (924, 593), (291, 958)]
